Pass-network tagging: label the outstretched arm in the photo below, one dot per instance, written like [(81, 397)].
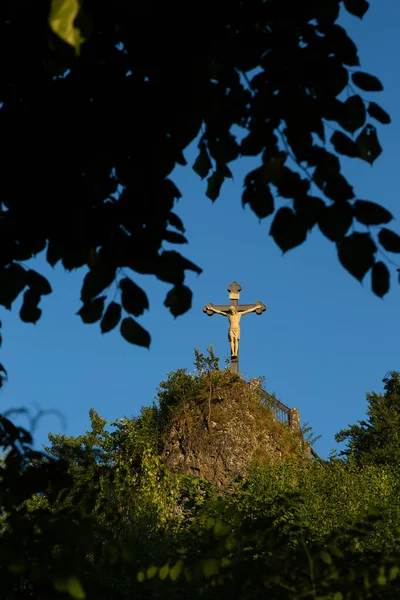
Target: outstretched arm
[(249, 310), (216, 310)]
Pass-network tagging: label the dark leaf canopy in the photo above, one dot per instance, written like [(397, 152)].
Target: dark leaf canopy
[(104, 98)]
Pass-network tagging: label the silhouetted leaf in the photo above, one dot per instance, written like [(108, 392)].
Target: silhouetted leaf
[(214, 183), (344, 145), (252, 144), (257, 194), (175, 221), (376, 112), (92, 258), (202, 164), (353, 114), (367, 82), (111, 317), (356, 253), (357, 7), (170, 191), (98, 279), (179, 300), (370, 213), (288, 229), (389, 240), (309, 208), (172, 265), (299, 137), (327, 12), (12, 282), (290, 184), (272, 167), (38, 283), (327, 163), (25, 249), (225, 150), (53, 253), (30, 313), (92, 310), (332, 82), (134, 299), (134, 333), (335, 220), (113, 200), (380, 279), (180, 159), (2, 370), (368, 144), (74, 257), (145, 263), (331, 109), (337, 188), (174, 238), (343, 46), (327, 176)]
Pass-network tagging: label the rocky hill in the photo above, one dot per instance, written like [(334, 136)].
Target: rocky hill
[(220, 425)]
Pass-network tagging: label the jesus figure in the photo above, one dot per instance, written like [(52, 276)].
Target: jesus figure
[(234, 317)]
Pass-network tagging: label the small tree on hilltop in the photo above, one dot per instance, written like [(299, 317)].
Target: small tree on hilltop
[(207, 366), (377, 439)]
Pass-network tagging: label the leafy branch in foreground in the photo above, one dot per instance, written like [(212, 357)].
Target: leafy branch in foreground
[(134, 112)]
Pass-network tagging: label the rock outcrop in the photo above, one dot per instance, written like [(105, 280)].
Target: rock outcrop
[(222, 443)]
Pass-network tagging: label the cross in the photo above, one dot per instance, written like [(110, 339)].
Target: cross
[(234, 312)]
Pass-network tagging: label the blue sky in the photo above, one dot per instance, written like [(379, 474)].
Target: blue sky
[(324, 341)]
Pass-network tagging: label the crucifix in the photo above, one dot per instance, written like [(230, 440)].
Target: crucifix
[(234, 312)]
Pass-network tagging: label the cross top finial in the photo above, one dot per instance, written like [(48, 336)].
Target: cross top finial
[(234, 287)]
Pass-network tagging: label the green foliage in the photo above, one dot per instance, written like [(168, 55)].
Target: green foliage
[(376, 441), (182, 389), (208, 367), (206, 364), (101, 516), (308, 434), (41, 543), (175, 392), (261, 546)]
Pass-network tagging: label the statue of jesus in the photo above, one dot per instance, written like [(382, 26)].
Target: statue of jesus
[(234, 317)]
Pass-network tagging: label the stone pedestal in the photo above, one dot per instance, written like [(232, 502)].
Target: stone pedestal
[(294, 419), (255, 384), (235, 365)]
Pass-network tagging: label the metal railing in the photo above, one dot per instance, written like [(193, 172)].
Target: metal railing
[(280, 411)]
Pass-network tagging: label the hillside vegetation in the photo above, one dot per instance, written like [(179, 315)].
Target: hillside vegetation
[(124, 510)]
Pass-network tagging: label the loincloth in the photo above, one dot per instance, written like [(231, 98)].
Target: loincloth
[(234, 333)]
